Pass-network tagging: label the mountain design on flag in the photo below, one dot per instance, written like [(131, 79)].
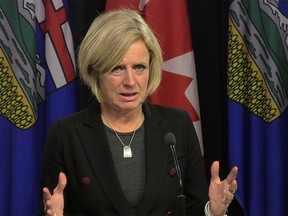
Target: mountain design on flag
[(21, 89), (256, 77), (23, 77)]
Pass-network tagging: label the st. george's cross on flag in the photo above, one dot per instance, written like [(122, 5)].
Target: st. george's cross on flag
[(170, 21)]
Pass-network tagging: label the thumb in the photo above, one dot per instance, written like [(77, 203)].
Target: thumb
[(62, 181), (215, 171)]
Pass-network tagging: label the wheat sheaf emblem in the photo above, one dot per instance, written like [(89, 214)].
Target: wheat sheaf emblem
[(14, 105)]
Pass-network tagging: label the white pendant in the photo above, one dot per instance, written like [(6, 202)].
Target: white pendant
[(127, 153)]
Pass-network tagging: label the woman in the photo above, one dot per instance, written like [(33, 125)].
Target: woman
[(111, 158)]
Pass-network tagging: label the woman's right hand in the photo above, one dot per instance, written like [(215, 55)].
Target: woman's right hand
[(54, 203)]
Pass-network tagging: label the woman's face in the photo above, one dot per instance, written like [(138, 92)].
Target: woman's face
[(125, 87)]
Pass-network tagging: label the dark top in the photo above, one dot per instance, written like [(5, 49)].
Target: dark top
[(78, 146), (130, 171)]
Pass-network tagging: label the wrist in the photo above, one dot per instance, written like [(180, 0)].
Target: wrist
[(209, 213)]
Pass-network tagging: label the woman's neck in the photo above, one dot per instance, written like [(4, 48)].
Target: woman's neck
[(122, 122)]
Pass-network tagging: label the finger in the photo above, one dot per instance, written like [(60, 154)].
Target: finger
[(215, 170), (228, 197), (48, 207), (62, 181), (46, 194), (232, 175), (49, 212), (48, 204), (233, 187)]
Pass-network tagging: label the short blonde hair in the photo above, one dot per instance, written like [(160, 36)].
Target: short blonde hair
[(106, 42)]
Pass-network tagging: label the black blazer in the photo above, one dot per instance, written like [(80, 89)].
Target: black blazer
[(77, 145)]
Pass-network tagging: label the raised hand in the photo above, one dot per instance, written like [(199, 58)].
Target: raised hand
[(54, 203), (221, 193)]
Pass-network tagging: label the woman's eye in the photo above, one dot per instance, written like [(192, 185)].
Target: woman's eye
[(117, 69), (139, 67)]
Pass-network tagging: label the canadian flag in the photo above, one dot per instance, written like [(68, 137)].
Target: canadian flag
[(170, 20)]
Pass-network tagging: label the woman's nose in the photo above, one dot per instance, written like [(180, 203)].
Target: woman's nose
[(129, 78)]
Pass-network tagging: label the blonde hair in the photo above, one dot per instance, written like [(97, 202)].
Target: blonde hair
[(106, 42)]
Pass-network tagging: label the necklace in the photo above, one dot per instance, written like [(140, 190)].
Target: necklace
[(127, 152)]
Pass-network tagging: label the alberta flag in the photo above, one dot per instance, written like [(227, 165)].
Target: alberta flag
[(170, 22), (258, 100), (37, 74)]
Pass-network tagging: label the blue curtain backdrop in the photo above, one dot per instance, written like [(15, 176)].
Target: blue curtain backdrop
[(21, 148), (37, 86), (258, 100)]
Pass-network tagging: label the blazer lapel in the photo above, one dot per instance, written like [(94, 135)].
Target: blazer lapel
[(156, 159), (96, 146)]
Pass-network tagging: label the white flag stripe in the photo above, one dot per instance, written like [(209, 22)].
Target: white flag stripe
[(57, 4), (40, 11), (189, 93), (54, 64), (183, 65)]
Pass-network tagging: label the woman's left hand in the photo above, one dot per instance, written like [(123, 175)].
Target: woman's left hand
[(221, 193)]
